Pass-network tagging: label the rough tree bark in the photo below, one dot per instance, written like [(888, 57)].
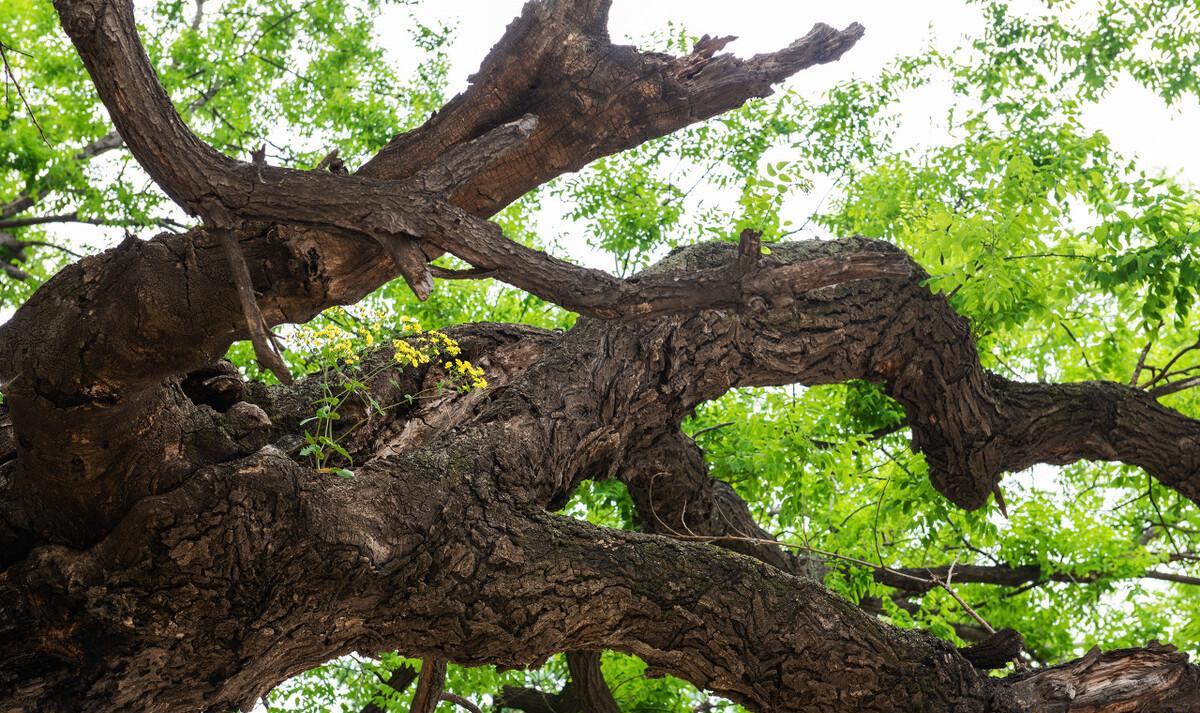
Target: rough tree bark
[(163, 548)]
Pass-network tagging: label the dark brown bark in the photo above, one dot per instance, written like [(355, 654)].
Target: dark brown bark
[(588, 680), (909, 578), (430, 685), (164, 549), (585, 692), (398, 681), (996, 651), (389, 540)]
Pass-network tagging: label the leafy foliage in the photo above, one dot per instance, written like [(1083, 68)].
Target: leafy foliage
[(1070, 260), (300, 78)]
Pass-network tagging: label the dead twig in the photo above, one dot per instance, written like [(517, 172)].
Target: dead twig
[(10, 76)]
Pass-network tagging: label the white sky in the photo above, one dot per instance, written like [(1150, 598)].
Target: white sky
[(1134, 119), (1137, 122)]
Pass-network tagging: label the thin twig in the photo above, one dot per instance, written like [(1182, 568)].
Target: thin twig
[(1141, 363), (1166, 370), (966, 607), (1082, 350), (1161, 520), (9, 75), (709, 429), (45, 244), (460, 702)]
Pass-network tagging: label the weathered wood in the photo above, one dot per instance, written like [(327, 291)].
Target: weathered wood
[(163, 550)]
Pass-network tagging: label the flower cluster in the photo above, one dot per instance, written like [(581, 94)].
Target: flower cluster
[(330, 342), (418, 347), (343, 332), (465, 375), (406, 353), (340, 334)]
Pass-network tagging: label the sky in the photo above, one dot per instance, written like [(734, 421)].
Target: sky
[(1133, 117), (1137, 122)]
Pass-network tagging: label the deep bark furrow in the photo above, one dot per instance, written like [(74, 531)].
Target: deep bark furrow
[(103, 367), (391, 543), (517, 586), (206, 563)]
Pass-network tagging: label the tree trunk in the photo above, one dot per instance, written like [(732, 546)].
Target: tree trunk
[(165, 548)]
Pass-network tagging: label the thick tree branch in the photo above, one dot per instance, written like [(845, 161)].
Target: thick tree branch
[(218, 188), (197, 177), (674, 494), (209, 565), (392, 540), (204, 181), (260, 335), (848, 310), (106, 367), (1154, 678), (541, 584), (585, 692), (589, 681), (592, 98), (534, 700), (801, 323)]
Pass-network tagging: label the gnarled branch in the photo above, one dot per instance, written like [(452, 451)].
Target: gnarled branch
[(207, 564)]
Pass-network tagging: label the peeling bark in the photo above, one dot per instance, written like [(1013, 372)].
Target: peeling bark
[(162, 548), (254, 568)]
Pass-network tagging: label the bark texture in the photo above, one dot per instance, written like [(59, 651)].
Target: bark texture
[(164, 548)]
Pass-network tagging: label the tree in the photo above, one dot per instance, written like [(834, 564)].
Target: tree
[(177, 537)]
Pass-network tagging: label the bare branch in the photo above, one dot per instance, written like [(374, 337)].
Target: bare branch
[(908, 578), (589, 681), (1141, 363), (429, 686), (39, 220), (1172, 577), (460, 702), (11, 77), (1165, 372), (1174, 387)]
